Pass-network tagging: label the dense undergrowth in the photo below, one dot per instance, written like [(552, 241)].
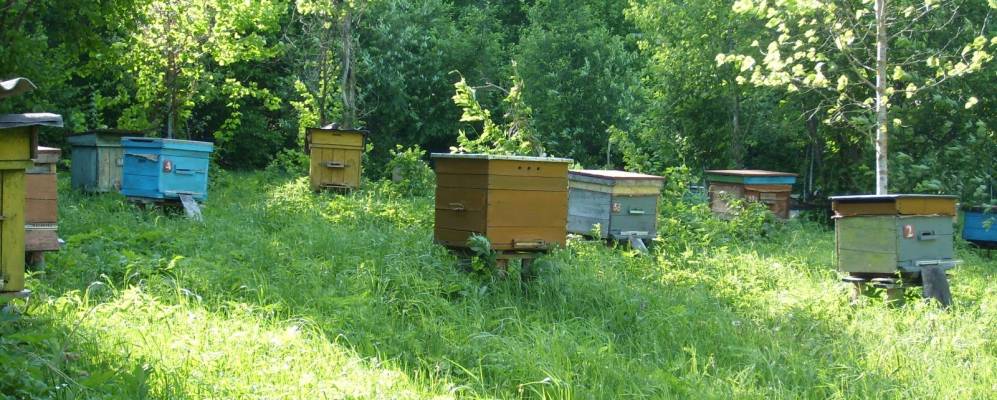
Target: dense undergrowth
[(284, 294)]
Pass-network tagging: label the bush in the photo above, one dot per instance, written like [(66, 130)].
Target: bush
[(291, 162), (410, 174)]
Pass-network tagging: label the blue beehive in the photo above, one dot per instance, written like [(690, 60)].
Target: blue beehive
[(163, 169), (980, 226)]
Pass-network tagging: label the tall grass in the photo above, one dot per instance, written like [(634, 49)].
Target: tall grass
[(285, 294)]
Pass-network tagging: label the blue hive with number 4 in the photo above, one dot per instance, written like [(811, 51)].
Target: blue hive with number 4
[(163, 169), (980, 226)]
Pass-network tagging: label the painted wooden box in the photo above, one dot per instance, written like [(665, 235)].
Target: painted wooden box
[(41, 213), (97, 158), (767, 187), (893, 233), (623, 204), (18, 145), (335, 157), (979, 226), (163, 169), (518, 203)]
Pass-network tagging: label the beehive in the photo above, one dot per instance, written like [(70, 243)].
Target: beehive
[(18, 143), (979, 226), (767, 187), (518, 203), (97, 158), (622, 204), (335, 156), (41, 214), (163, 169), (893, 233)]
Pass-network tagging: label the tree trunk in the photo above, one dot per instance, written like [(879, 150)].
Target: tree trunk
[(882, 139), (349, 77), (736, 137)]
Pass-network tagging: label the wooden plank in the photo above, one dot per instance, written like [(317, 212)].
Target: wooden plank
[(515, 208), (926, 206), (320, 137), (41, 186), (505, 238), (41, 211), (460, 220), (452, 237), (624, 189), (582, 225), (587, 203), (468, 199), (12, 230), (524, 183), (15, 144), (866, 244), (529, 168), (41, 240)]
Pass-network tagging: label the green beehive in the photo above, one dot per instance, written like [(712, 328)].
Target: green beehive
[(97, 159), (893, 239)]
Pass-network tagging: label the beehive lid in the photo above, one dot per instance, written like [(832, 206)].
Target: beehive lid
[(15, 87), (335, 127), (500, 157), (157, 143), (101, 137), (8, 121), (47, 155), (751, 176), (894, 204), (615, 182)]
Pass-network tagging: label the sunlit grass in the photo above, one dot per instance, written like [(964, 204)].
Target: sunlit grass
[(282, 293)]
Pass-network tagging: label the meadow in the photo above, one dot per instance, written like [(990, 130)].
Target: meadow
[(282, 293)]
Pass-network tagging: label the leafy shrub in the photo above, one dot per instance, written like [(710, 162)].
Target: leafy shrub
[(291, 162), (411, 175)]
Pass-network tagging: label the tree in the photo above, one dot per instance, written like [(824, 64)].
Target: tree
[(841, 51), (176, 54), (517, 136)]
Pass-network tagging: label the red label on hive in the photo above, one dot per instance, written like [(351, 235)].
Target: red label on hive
[(908, 231)]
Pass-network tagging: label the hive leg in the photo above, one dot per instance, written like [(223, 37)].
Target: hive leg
[(527, 272), (895, 296)]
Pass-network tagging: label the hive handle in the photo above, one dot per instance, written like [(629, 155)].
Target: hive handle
[(636, 211), (150, 157), (456, 206), (187, 171), (335, 164)]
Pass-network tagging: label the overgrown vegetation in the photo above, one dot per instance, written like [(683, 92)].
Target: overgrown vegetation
[(616, 83), (286, 294)]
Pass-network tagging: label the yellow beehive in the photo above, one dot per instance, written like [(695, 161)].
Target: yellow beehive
[(335, 157)]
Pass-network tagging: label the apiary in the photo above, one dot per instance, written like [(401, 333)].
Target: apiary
[(97, 158), (518, 203), (622, 204), (979, 226), (18, 146), (41, 212), (335, 156), (165, 169), (893, 239), (767, 187)]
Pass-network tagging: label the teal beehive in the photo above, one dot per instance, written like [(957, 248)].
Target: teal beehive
[(97, 159), (164, 169)]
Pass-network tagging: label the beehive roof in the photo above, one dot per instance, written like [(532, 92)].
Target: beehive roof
[(747, 172), (8, 121), (613, 174), (501, 157), (875, 198), (15, 87)]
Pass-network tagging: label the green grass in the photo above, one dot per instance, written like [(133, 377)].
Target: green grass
[(283, 294)]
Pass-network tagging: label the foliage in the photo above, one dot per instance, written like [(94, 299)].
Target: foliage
[(579, 75), (290, 162), (517, 136), (409, 172), (484, 259)]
